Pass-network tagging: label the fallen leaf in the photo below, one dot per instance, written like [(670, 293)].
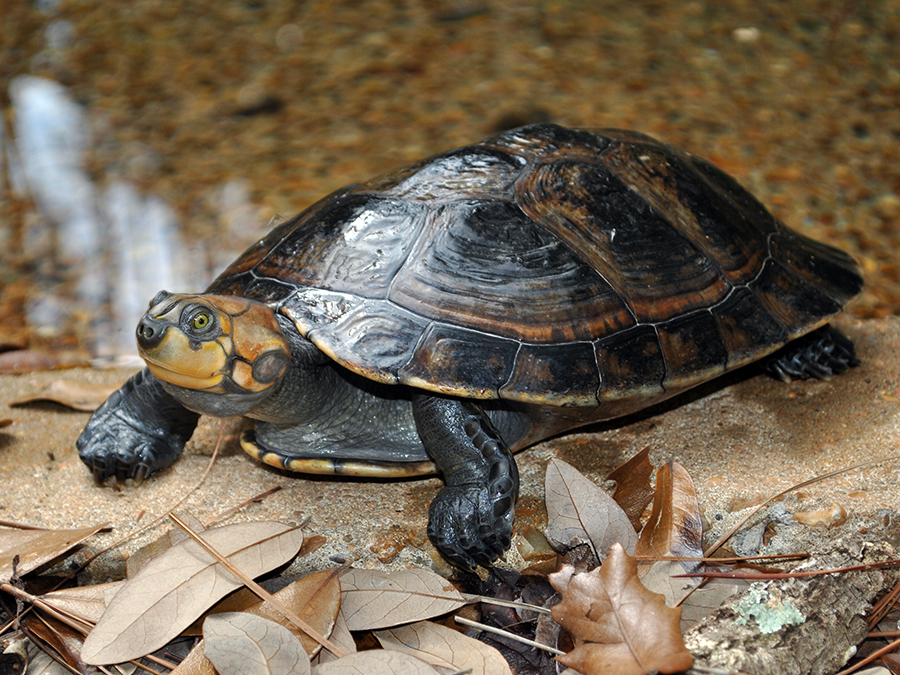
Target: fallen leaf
[(376, 662), (578, 512), (5, 422), (315, 598), (444, 647), (707, 599), (84, 602), (244, 644), (633, 490), (164, 542), (72, 394), (621, 627), (372, 599), (891, 662), (661, 577), (340, 636), (674, 527), (37, 547), (49, 631), (31, 360), (170, 591), (195, 663)]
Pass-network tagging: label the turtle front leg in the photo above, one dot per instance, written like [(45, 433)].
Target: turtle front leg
[(140, 429), (471, 520)]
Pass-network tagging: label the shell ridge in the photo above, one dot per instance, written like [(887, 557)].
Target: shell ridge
[(512, 372), (559, 233), (641, 175)]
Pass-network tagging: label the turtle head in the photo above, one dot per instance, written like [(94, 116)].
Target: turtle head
[(213, 345)]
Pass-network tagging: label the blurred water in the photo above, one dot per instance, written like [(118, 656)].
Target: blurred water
[(99, 253)]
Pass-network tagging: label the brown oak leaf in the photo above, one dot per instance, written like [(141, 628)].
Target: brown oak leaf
[(621, 628), (633, 490)]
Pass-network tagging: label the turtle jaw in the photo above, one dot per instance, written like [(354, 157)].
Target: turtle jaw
[(219, 345)]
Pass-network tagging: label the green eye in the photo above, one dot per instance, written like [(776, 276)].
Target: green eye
[(201, 321)]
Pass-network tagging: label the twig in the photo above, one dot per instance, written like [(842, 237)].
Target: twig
[(723, 561), (507, 634), (509, 603), (259, 590), (725, 537), (871, 657), (761, 576)]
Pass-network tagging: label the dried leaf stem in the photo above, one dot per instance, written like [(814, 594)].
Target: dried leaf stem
[(506, 634), (725, 537), (260, 591)]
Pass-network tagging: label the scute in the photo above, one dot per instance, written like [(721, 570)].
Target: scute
[(547, 266)]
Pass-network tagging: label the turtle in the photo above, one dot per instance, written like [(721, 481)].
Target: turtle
[(443, 316)]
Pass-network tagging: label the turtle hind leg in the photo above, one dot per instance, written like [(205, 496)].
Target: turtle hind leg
[(820, 354)]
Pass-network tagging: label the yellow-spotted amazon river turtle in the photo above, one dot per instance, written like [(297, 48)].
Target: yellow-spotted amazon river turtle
[(452, 312)]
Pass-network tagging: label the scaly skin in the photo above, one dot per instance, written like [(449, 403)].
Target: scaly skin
[(471, 520), (139, 430)]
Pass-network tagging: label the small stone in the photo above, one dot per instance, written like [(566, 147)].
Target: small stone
[(887, 207), (828, 517), (746, 34)]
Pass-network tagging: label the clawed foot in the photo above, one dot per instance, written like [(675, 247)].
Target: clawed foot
[(820, 354), (139, 430), (470, 526), (113, 450)]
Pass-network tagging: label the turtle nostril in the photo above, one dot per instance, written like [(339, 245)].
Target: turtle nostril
[(149, 333)]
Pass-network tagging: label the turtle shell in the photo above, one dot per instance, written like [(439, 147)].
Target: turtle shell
[(547, 266)]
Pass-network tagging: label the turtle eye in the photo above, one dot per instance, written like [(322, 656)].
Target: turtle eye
[(200, 321)]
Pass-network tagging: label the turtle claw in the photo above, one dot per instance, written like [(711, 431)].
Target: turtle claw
[(99, 472), (140, 474)]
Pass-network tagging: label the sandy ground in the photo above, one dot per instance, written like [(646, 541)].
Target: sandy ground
[(742, 440), (231, 113)]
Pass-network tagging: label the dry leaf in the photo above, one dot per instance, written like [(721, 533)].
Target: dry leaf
[(444, 647), (376, 662), (72, 394), (37, 547), (661, 577), (708, 598), (578, 512), (633, 490), (49, 631), (340, 636), (622, 628), (31, 360), (172, 590), (165, 541), (891, 662), (84, 602), (195, 663), (674, 527), (244, 644), (372, 599), (316, 598)]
